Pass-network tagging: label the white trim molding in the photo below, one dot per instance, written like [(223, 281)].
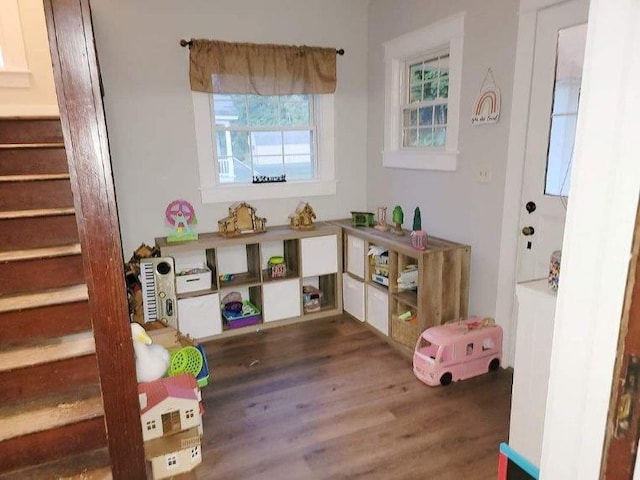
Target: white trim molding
[(448, 34)]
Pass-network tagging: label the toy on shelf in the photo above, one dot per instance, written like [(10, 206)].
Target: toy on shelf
[(152, 360), (408, 278), (457, 350), (241, 219), (238, 312), (418, 236), (362, 219), (398, 220), (303, 217), (182, 217), (311, 298), (379, 261), (277, 267), (381, 223)]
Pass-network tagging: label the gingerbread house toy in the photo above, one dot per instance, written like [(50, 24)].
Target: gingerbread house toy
[(303, 217), (242, 218)]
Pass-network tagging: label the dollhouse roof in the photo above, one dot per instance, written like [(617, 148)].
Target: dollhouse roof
[(180, 386)]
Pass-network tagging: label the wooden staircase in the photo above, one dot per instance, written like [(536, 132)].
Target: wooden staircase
[(52, 421)]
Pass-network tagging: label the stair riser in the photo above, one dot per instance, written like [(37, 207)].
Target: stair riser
[(24, 233), (46, 322), (40, 274), (49, 445), (33, 161), (30, 131), (55, 377), (34, 195)]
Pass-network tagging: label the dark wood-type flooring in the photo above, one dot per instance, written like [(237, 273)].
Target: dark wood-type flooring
[(331, 399)]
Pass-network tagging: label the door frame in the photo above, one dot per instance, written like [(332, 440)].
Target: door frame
[(519, 122)]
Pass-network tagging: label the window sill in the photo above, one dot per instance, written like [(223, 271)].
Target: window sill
[(234, 193), (15, 78), (415, 160)]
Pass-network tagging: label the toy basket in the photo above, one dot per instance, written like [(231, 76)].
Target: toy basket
[(186, 360), (405, 332)]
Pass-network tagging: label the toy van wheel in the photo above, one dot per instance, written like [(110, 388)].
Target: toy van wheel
[(493, 366), (446, 379)]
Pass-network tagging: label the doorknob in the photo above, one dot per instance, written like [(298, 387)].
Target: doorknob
[(527, 231)]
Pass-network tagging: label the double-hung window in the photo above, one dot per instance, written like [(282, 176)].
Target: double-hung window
[(423, 72)]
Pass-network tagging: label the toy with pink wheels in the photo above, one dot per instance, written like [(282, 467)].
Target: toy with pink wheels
[(182, 217)]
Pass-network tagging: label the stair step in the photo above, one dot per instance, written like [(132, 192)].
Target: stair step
[(37, 195), (30, 130), (34, 177), (47, 413), (35, 160), (48, 378), (50, 350), (36, 274), (93, 465), (42, 212), (46, 252), (37, 232), (56, 296), (50, 445)]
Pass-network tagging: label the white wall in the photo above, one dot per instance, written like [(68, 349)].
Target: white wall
[(149, 110), (454, 205), (40, 97)]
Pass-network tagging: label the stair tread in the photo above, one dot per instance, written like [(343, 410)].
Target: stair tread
[(45, 413), (44, 298), (34, 177), (93, 465), (48, 350), (45, 252), (8, 146), (39, 212)]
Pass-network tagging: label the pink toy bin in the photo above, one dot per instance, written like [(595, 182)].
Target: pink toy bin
[(457, 350)]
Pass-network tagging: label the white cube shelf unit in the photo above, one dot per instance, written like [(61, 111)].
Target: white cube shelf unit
[(240, 264), (373, 292)]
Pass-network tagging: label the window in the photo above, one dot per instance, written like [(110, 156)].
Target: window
[(189, 413), (422, 97), (564, 115), (469, 349), (195, 453), (172, 460), (14, 71), (151, 425), (264, 136), (243, 136)]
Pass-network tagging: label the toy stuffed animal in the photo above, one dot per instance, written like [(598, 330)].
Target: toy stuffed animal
[(152, 360)]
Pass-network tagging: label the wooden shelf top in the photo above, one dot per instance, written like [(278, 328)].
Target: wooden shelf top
[(401, 244), (215, 240)]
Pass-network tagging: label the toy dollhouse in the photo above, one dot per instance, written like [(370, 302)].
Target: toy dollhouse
[(171, 418), (303, 217), (241, 219)]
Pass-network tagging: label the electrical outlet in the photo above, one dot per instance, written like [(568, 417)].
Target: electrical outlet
[(484, 175)]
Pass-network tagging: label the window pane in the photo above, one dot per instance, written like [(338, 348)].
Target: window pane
[(298, 167), (410, 117), (262, 111), (568, 77), (425, 136), (415, 73), (268, 165), (443, 62), (297, 142), (229, 110), (295, 110), (430, 70), (441, 114), (410, 137), (416, 94), (426, 116), (266, 143), (443, 87), (430, 90), (221, 144), (439, 137)]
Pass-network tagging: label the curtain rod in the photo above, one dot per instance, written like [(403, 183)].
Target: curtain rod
[(187, 43)]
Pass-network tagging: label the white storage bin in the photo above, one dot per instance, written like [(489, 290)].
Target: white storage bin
[(197, 278), (355, 256), (353, 296), (199, 317), (281, 299), (319, 255), (378, 309)]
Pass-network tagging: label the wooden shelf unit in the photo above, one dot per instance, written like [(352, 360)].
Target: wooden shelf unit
[(442, 292), (311, 258)]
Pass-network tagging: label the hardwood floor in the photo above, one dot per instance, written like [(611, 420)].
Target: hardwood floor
[(331, 399)]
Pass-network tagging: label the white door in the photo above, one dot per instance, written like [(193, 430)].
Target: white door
[(555, 87)]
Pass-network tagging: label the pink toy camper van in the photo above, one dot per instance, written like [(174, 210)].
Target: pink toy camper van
[(457, 350)]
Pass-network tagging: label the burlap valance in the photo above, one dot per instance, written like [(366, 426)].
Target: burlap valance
[(225, 67)]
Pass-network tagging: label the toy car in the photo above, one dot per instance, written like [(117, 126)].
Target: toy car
[(457, 350)]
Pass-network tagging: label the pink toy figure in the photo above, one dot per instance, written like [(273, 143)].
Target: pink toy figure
[(457, 350)]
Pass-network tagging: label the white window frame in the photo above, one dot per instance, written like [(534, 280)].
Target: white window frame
[(212, 191), (15, 71), (445, 34)]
